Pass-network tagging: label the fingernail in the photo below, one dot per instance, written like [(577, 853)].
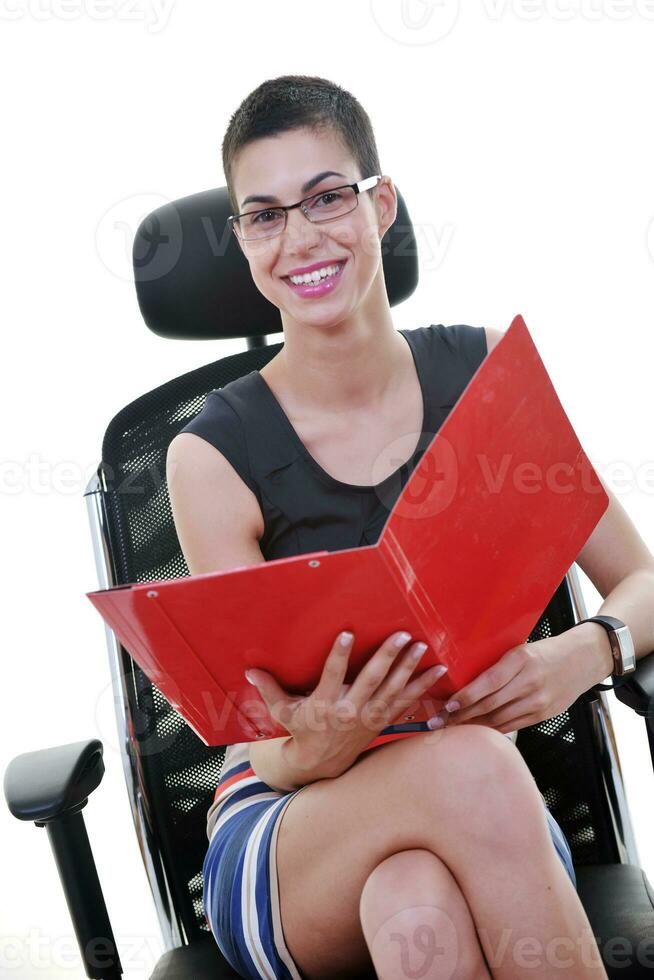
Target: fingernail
[(249, 678), (452, 706), (345, 638), (435, 722)]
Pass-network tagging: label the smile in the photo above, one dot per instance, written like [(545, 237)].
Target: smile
[(316, 283)]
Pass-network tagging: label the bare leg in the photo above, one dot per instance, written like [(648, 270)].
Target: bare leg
[(466, 795), (528, 915), (417, 923)]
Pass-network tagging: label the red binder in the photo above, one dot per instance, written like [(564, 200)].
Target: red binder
[(496, 511)]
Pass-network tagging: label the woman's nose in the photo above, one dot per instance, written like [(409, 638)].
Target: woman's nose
[(299, 229)]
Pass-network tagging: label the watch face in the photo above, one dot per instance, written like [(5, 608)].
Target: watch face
[(627, 653)]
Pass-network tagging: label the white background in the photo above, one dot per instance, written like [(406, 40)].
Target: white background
[(520, 136)]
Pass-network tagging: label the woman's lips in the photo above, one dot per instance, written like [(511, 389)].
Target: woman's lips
[(321, 288)]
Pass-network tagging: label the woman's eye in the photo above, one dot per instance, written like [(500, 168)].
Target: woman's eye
[(333, 194), (261, 213)]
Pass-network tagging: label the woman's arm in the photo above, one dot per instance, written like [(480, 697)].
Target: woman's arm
[(619, 564), (535, 681), (218, 521), (617, 561), (217, 517), (276, 762)]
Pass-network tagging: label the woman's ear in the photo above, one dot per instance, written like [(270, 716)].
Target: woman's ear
[(386, 204)]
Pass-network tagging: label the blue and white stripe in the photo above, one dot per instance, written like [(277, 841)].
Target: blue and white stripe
[(241, 896)]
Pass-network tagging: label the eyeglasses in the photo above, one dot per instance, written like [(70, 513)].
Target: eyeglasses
[(332, 203)]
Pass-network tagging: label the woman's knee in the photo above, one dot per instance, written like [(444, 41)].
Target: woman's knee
[(477, 778), (415, 871), (412, 909)]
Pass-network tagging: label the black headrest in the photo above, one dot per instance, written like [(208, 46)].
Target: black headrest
[(193, 281)]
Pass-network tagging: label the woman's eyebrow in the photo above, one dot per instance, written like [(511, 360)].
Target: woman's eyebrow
[(267, 199)]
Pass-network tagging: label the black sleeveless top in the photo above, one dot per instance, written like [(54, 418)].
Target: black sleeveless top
[(304, 508)]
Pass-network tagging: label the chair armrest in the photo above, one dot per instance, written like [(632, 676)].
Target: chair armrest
[(50, 787), (45, 784), (637, 691)]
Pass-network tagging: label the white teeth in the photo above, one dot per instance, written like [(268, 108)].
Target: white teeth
[(316, 275)]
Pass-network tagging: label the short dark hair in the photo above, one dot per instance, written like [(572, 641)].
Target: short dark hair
[(295, 102)]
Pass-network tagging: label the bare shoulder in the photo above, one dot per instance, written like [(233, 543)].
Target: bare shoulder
[(217, 516), (493, 336)]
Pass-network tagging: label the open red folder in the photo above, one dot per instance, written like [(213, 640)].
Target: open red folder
[(499, 506)]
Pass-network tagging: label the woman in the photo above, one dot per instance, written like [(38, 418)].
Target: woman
[(428, 855)]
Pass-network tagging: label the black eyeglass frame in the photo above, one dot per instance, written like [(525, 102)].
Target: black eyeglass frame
[(358, 187)]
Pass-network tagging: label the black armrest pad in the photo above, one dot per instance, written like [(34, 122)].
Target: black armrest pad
[(45, 784), (638, 691)]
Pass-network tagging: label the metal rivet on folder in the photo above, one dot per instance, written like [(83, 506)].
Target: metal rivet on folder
[(314, 563), (152, 594), (409, 717), (261, 734)]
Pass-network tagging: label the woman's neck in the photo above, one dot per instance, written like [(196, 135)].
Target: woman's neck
[(350, 366)]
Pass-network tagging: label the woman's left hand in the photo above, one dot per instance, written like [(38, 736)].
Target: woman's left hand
[(529, 683)]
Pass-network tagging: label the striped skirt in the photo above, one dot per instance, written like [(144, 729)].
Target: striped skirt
[(240, 892)]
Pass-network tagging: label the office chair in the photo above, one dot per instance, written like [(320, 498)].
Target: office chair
[(192, 281)]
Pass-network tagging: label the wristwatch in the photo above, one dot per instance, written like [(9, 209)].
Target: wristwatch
[(622, 648)]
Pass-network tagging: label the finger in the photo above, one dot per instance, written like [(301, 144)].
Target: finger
[(512, 692), (510, 712), (375, 670), (517, 712), (491, 680), (413, 691), (396, 684), (426, 680), (517, 724), (333, 673), (396, 680), (275, 697), (475, 721)]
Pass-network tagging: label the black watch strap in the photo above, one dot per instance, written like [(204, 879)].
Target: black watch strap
[(609, 623)]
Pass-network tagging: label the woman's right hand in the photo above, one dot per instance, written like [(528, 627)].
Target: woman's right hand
[(337, 721)]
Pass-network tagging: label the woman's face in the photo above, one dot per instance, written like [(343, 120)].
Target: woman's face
[(278, 167)]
